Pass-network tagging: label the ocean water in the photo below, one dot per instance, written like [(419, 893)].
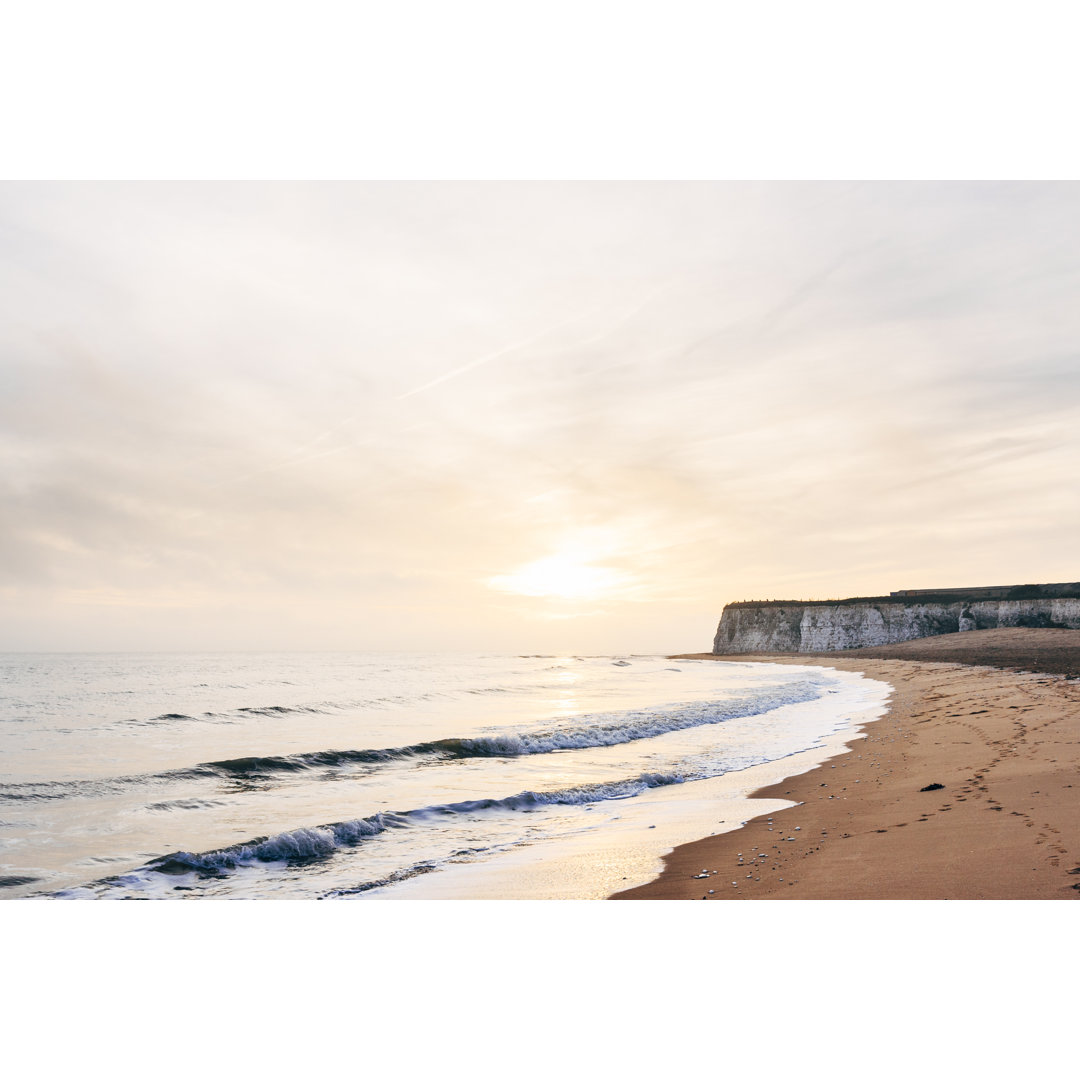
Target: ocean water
[(349, 776)]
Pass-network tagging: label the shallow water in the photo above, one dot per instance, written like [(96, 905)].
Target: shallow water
[(362, 776)]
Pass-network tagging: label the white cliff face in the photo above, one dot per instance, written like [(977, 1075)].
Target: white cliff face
[(827, 627)]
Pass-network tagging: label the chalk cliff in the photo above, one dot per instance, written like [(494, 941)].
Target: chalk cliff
[(816, 626)]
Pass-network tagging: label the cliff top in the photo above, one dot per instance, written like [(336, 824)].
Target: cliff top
[(1059, 590)]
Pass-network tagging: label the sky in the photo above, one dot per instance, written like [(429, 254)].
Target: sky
[(523, 417)]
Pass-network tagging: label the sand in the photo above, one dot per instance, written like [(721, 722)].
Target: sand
[(991, 716)]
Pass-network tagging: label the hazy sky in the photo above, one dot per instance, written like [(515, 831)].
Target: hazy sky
[(523, 417)]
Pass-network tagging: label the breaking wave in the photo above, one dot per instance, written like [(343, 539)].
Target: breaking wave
[(299, 847), (584, 732), (581, 733)]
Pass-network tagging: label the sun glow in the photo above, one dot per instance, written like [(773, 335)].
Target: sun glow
[(561, 577)]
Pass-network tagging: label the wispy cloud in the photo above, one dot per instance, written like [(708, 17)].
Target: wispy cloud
[(290, 404)]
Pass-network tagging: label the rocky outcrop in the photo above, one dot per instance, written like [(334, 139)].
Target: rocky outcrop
[(816, 626)]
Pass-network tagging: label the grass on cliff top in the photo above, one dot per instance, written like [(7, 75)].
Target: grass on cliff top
[(1019, 592)]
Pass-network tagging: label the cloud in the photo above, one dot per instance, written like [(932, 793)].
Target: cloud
[(362, 402)]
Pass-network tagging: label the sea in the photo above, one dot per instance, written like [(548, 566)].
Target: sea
[(365, 777)]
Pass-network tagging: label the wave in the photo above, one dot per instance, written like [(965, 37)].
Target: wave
[(281, 710), (164, 718), (240, 713), (14, 881), (583, 732), (230, 716), (305, 846), (381, 883), (49, 790), (316, 708), (186, 804)]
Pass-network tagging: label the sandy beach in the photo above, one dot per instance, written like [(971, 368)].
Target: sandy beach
[(968, 788)]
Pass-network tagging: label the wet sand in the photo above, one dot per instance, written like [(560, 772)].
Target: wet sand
[(987, 720)]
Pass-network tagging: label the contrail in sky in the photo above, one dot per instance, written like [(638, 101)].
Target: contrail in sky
[(300, 455), (446, 376), (498, 354)]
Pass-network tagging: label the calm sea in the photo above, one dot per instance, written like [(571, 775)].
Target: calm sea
[(353, 776)]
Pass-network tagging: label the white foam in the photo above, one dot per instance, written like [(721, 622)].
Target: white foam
[(625, 847)]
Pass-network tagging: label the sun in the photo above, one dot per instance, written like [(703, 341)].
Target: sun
[(560, 577)]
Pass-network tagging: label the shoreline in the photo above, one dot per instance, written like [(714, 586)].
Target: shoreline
[(1001, 742), (619, 849)]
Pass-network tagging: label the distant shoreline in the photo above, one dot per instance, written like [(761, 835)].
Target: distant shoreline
[(990, 716)]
